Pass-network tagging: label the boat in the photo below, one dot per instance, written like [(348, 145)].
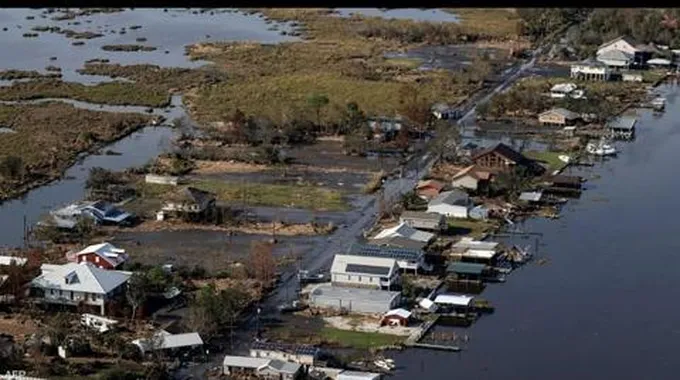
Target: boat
[(659, 103), (564, 158), (601, 148), (384, 364)]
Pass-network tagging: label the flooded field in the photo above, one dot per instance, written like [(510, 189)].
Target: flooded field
[(169, 31)]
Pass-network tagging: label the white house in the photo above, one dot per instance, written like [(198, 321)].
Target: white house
[(261, 368), (454, 203), (590, 70), (163, 340), (364, 271), (639, 52), (403, 230), (73, 284)]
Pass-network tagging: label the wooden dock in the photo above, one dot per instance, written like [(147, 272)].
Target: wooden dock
[(413, 340), (439, 347)]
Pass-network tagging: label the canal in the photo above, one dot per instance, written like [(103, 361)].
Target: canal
[(602, 303)]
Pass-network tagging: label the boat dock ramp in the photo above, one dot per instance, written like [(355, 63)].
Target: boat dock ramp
[(414, 339)]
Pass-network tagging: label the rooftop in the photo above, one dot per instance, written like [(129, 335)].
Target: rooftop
[(615, 55), (531, 196), (169, 341), (107, 251), (9, 260), (83, 277), (465, 268), (569, 115), (453, 299), (405, 231), (388, 252), (506, 152), (398, 242), (402, 313), (381, 266), (370, 295), (470, 243), (244, 361), (283, 366), (474, 171), (422, 215), (368, 269), (454, 197), (296, 349)]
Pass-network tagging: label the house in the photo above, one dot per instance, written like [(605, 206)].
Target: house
[(105, 213), (562, 90), (189, 200), (12, 260), (503, 158), (385, 125), (469, 250), (364, 271), (398, 242), (357, 300), (429, 189), (356, 375), (297, 353), (407, 259), (396, 317), (261, 368), (590, 70), (470, 243), (454, 203), (631, 77), (639, 52), (622, 127), (616, 58), (471, 178), (423, 220), (466, 271), (74, 284), (103, 255), (403, 230), (163, 340), (557, 117)]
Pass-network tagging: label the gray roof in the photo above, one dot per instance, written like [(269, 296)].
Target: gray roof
[(295, 349), (590, 62), (389, 252), (371, 295), (531, 196), (453, 197), (622, 122), (615, 55), (628, 39), (367, 269), (563, 112), (84, 277), (244, 361), (398, 242), (421, 215), (284, 366)]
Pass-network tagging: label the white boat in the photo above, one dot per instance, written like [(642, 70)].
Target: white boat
[(564, 158), (384, 364), (601, 148)]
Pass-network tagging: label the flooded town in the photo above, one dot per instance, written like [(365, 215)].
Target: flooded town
[(338, 193)]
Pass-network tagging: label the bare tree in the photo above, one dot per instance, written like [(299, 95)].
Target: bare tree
[(137, 291), (262, 261)]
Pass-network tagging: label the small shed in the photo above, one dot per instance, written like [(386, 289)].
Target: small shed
[(424, 220), (396, 317), (631, 77), (466, 271), (566, 181), (531, 196), (557, 116), (454, 301), (622, 127)]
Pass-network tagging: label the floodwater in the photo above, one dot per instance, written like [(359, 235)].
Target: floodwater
[(432, 15), (603, 305), (168, 31)]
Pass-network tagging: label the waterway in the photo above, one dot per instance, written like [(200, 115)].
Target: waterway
[(602, 305)]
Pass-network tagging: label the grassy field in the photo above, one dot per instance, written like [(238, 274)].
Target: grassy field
[(341, 58), (49, 137), (499, 22), (359, 340), (550, 158), (298, 196), (115, 93)]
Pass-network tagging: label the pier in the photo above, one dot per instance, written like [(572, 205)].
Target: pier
[(413, 341)]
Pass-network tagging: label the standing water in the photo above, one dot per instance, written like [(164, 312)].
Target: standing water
[(603, 304)]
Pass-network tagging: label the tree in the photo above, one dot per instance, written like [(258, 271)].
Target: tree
[(11, 167), (262, 263), (512, 182), (57, 328), (355, 119), (137, 291), (317, 102), (415, 108)]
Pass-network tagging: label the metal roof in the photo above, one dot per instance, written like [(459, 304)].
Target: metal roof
[(366, 295), (85, 278), (244, 362), (478, 254), (422, 215), (659, 61), (468, 242), (398, 242), (346, 263), (569, 115), (402, 229), (466, 268), (531, 196), (378, 251), (295, 349), (367, 269), (283, 366), (168, 340), (401, 313), (453, 299), (453, 197), (623, 122), (615, 55)]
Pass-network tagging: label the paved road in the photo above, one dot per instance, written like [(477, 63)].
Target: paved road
[(322, 256)]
